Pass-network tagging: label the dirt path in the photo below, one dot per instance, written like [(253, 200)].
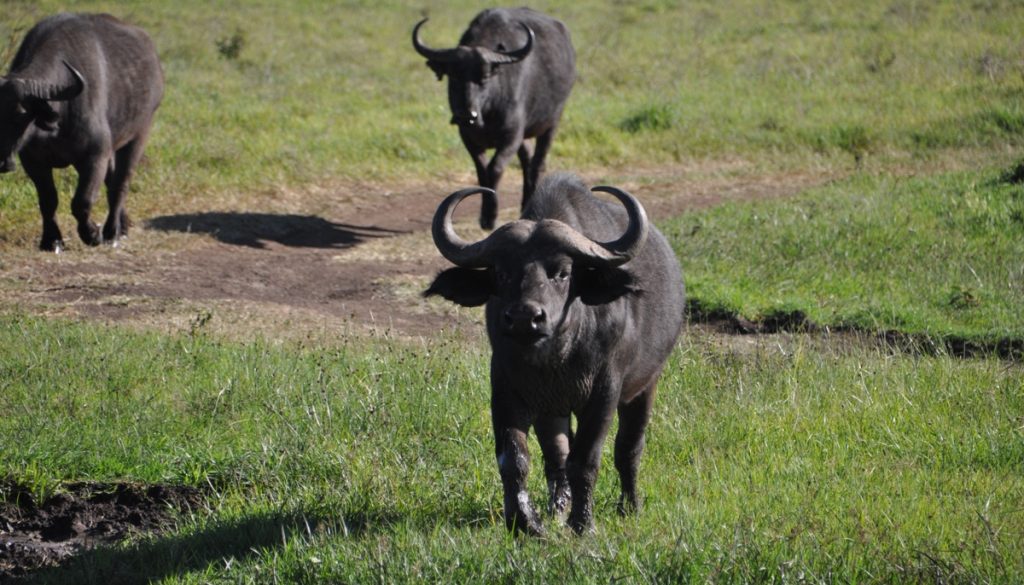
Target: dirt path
[(325, 261)]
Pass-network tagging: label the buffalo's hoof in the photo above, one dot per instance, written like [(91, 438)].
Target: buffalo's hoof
[(55, 246), (629, 505), (90, 234), (581, 523), (110, 234), (522, 518), (528, 525), (487, 223), (559, 497)]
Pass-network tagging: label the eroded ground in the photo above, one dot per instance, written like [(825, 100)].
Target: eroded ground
[(326, 261), (84, 515)]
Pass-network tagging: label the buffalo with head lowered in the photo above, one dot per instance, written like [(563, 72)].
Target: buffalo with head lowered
[(508, 80), (81, 92), (584, 303)]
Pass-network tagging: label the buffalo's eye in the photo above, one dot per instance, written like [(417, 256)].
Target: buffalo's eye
[(562, 274)]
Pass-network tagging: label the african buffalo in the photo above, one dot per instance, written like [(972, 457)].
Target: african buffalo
[(508, 80), (82, 91), (584, 304)]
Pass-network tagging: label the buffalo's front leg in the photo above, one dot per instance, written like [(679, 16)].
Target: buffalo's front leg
[(510, 428), (489, 204), (526, 161), (42, 177), (585, 457), (90, 176), (496, 168), (555, 437), (533, 172)]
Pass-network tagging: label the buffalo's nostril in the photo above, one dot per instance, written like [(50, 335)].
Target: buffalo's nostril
[(538, 318)]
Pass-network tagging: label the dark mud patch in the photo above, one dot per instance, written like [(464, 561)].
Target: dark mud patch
[(34, 535), (796, 321)]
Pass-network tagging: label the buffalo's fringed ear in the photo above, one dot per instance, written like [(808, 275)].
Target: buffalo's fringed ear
[(438, 69), (597, 286), (463, 286), (45, 117)]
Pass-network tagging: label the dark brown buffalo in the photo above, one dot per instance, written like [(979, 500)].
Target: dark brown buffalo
[(508, 80), (82, 91), (584, 305)]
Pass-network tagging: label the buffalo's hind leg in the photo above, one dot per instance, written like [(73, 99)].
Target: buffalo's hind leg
[(629, 446), (118, 178), (555, 437), (42, 177)]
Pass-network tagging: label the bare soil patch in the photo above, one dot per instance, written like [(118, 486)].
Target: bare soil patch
[(321, 262), (84, 515)]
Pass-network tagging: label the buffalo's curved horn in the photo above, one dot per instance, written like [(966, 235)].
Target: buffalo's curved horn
[(451, 246), (441, 56), (54, 91), (514, 56), (632, 241)]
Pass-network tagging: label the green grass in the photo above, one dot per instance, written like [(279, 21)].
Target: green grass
[(824, 461), (270, 94), (932, 256), (374, 463)]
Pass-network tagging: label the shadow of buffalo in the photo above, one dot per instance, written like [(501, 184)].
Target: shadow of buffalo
[(219, 544), (256, 229)]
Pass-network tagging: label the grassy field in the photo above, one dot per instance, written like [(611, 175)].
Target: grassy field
[(372, 462), (937, 257), (825, 458), (265, 95)]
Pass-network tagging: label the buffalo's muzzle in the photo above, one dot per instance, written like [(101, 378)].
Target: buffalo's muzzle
[(470, 119), (525, 320), (7, 165)]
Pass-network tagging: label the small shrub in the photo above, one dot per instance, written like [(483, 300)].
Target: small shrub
[(651, 118), (963, 298), (880, 59), (854, 140), (231, 47)]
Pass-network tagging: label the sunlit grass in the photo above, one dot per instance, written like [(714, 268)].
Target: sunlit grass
[(375, 462)]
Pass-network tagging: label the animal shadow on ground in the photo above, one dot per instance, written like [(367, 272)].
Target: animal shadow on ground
[(219, 543), (254, 230)]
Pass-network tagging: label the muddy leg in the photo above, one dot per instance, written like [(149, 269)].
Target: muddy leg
[(555, 436), (511, 424)]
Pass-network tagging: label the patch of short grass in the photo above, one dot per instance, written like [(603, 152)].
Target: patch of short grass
[(936, 256), (374, 462)]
